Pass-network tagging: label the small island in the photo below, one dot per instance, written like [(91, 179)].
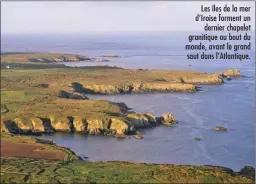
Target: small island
[(23, 57)]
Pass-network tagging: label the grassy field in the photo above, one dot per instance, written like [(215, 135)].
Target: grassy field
[(26, 92), (40, 57), (43, 171)]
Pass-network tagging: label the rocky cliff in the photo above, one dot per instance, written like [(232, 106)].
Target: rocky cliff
[(115, 126), (141, 87)]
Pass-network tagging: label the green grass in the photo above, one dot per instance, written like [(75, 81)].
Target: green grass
[(22, 92), (43, 171)]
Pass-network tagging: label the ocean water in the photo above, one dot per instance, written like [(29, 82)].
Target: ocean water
[(230, 105)]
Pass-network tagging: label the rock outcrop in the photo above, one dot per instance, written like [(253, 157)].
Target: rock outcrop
[(141, 88), (181, 82), (248, 171), (231, 73), (79, 123), (105, 89), (10, 125), (24, 125), (138, 120), (75, 95), (220, 128), (152, 119), (61, 124), (167, 119), (37, 125), (97, 126), (123, 107), (119, 126)]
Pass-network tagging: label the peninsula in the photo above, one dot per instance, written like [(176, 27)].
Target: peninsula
[(38, 98)]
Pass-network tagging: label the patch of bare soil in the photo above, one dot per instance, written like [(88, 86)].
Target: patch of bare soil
[(29, 150)]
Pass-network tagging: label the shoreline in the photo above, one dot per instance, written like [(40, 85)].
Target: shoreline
[(47, 98), (54, 100), (74, 162)]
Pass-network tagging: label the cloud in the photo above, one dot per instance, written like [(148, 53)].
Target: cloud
[(162, 5), (81, 17)]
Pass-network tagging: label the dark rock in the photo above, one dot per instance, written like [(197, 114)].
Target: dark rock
[(248, 171), (75, 95), (220, 128), (78, 87), (139, 137), (197, 138), (124, 108), (12, 126), (44, 141)]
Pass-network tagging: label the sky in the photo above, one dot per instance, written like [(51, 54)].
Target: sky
[(88, 16)]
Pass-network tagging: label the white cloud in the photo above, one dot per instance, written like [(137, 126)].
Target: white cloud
[(162, 5), (79, 17)]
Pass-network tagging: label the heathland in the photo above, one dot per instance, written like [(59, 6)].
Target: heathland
[(39, 96)]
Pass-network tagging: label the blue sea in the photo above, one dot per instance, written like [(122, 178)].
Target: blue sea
[(231, 105)]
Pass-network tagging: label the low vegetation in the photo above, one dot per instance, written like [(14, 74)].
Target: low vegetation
[(37, 169), (41, 57), (38, 97), (43, 171)]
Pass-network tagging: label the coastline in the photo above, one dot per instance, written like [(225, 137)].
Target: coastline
[(76, 170), (46, 99), (32, 95)]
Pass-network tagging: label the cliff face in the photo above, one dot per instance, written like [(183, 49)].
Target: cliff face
[(115, 126), (23, 125), (38, 125), (61, 124), (178, 82), (140, 88), (60, 105), (120, 127), (79, 123)]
